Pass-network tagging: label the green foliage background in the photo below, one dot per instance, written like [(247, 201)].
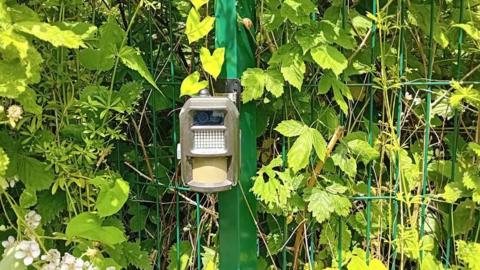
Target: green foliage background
[(88, 99)]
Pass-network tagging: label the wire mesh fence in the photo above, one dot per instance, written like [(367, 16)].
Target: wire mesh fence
[(182, 225)]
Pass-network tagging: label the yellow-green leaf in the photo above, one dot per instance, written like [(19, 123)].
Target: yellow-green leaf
[(212, 63), (191, 84), (52, 34), (199, 3), (196, 28)]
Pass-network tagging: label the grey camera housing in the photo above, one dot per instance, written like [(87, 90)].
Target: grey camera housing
[(210, 141)]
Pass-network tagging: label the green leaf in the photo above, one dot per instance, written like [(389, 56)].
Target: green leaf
[(322, 204), (464, 217), (364, 150), (429, 262), (50, 206), (28, 99), (196, 29), (51, 34), (291, 128), (93, 59), (467, 94), (111, 198), (198, 3), (347, 164), (135, 256), (289, 58), (253, 82), (33, 173), (212, 63), (475, 147), (468, 252), (274, 82), (319, 143), (132, 59), (4, 162), (298, 11), (129, 95), (470, 29), (9, 261), (276, 190), (328, 57), (184, 253), (89, 226), (191, 86), (299, 153), (419, 15), (28, 198)]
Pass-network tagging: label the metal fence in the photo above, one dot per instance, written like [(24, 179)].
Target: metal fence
[(174, 207)]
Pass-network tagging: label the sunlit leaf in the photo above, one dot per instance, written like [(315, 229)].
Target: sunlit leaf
[(195, 28), (212, 63), (191, 84)]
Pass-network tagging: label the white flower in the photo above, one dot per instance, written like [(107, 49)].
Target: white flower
[(111, 268), (69, 262), (28, 251), (52, 256), (417, 101), (33, 219), (14, 113), (8, 244), (408, 96), (12, 181)]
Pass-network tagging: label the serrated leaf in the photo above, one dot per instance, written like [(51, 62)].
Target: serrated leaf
[(51, 34), (89, 226), (364, 150), (328, 57), (347, 164), (468, 252), (291, 128), (195, 28), (28, 99), (298, 11), (253, 82), (191, 84), (289, 58), (135, 256), (132, 59), (50, 206), (319, 143), (184, 254), (475, 147), (274, 82), (337, 95), (198, 3), (299, 153), (467, 94), (212, 63), (322, 204)]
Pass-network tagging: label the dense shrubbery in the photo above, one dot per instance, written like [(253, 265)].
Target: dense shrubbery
[(87, 97)]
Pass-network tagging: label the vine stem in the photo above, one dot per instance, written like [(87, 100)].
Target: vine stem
[(124, 40), (311, 183)]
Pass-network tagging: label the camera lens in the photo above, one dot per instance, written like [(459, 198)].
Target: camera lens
[(202, 118)]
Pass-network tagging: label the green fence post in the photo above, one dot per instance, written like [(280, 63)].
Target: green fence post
[(237, 208)]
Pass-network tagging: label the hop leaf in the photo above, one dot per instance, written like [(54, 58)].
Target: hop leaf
[(212, 63), (196, 28)]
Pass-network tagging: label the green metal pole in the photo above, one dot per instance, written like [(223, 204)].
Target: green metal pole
[(237, 208)]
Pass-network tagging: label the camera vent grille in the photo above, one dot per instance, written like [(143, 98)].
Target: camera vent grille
[(209, 139)]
